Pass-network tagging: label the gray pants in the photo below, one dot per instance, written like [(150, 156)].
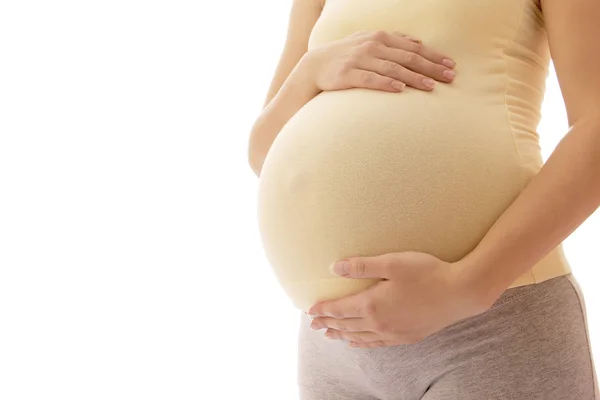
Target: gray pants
[(532, 344)]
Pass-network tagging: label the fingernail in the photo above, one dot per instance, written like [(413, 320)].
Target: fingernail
[(430, 83), (398, 85), (448, 63), (341, 267), (449, 74)]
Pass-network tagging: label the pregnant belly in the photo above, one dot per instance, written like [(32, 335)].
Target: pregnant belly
[(363, 173)]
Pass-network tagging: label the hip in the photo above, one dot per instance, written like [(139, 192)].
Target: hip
[(534, 341)]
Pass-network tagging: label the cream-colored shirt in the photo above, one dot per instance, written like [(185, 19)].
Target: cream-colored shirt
[(363, 172)]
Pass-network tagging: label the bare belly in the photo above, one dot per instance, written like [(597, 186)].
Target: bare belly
[(362, 173)]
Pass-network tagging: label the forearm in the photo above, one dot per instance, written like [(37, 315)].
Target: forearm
[(564, 193), (296, 91)]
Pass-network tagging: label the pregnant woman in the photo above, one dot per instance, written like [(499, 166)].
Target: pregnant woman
[(404, 205)]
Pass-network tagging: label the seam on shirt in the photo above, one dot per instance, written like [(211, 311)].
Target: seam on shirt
[(512, 42)]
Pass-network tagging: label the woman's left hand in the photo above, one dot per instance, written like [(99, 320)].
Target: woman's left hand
[(418, 296)]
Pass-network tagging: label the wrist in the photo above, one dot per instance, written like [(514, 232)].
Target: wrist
[(477, 289), (305, 73)]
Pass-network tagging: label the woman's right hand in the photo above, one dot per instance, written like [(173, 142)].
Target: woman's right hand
[(378, 60)]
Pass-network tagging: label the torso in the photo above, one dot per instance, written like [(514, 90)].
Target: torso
[(364, 172)]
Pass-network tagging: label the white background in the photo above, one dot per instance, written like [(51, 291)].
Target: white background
[(130, 262)]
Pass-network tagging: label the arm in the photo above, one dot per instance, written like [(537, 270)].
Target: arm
[(288, 91), (566, 191), (376, 60)]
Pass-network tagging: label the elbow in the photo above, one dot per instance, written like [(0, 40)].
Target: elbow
[(254, 165), (253, 160)]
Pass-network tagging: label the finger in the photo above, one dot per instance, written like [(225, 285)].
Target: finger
[(363, 267), (398, 49), (416, 63), (346, 324), (407, 37), (370, 345), (347, 307), (412, 39), (357, 337), (396, 71), (370, 80), (397, 40)]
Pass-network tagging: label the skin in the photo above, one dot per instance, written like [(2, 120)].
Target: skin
[(375, 60), (422, 294)]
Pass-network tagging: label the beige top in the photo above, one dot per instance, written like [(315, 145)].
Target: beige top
[(362, 172)]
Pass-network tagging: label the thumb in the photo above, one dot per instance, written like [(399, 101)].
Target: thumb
[(361, 268)]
